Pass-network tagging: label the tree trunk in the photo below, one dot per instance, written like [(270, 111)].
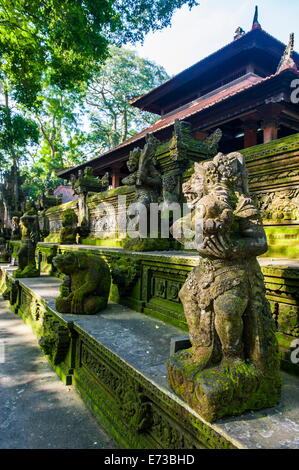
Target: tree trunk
[(124, 126)]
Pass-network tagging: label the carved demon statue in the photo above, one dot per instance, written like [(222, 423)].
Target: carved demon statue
[(233, 364), (144, 174), (26, 255), (85, 289)]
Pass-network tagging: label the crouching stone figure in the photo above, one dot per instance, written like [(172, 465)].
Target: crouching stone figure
[(85, 289)]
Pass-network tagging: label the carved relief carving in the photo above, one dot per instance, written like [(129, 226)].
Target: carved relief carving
[(55, 340)]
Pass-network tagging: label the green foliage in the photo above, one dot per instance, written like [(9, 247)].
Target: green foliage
[(123, 76), (16, 132), (50, 50), (68, 38), (62, 117)]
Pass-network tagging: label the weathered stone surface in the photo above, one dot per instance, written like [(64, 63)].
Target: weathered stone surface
[(26, 254), (37, 410), (69, 229), (233, 364), (161, 275), (119, 350), (86, 287)]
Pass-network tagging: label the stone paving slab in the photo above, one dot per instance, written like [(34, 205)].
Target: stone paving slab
[(37, 410), (144, 342)]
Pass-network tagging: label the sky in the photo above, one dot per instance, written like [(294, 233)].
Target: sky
[(198, 32)]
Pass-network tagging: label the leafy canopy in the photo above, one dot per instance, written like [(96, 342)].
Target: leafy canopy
[(124, 76), (69, 37)]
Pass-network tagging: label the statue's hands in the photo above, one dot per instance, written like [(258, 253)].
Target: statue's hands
[(217, 246), (77, 302), (139, 177)]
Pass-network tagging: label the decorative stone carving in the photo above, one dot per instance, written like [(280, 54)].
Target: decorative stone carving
[(15, 231), (30, 208), (124, 273), (86, 183), (69, 231), (11, 291), (4, 249), (83, 185), (148, 189), (86, 287), (279, 206), (233, 364), (26, 255), (48, 199), (135, 406), (55, 339), (144, 174)]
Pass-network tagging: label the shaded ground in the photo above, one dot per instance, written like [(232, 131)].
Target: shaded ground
[(37, 410)]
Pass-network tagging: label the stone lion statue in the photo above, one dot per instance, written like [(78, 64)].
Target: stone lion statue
[(85, 289)]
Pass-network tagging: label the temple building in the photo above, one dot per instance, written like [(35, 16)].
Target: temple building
[(163, 332), (244, 89)]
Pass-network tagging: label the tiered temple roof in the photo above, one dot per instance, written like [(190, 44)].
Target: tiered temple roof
[(243, 88)]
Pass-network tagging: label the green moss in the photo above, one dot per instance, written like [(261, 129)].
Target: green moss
[(52, 238), (283, 145), (105, 242), (62, 207), (227, 390), (148, 244), (29, 271)]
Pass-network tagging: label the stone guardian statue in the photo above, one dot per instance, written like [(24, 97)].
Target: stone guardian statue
[(233, 364)]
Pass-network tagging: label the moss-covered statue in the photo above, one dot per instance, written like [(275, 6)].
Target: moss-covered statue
[(15, 229), (69, 231), (147, 179), (4, 249), (143, 172), (26, 255), (86, 182), (30, 208), (233, 364), (85, 289)]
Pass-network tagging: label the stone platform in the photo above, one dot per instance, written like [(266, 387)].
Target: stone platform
[(159, 276), (116, 360)]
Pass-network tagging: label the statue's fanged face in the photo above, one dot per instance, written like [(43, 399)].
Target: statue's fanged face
[(193, 189)]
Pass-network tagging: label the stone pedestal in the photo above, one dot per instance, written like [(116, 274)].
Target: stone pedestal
[(224, 390)]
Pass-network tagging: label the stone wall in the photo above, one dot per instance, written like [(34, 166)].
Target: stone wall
[(135, 410), (153, 281), (273, 181)]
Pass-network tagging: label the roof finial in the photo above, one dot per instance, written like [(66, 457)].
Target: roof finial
[(287, 62), (239, 33), (256, 24)]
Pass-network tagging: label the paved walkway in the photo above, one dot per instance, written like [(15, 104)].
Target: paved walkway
[(37, 410)]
